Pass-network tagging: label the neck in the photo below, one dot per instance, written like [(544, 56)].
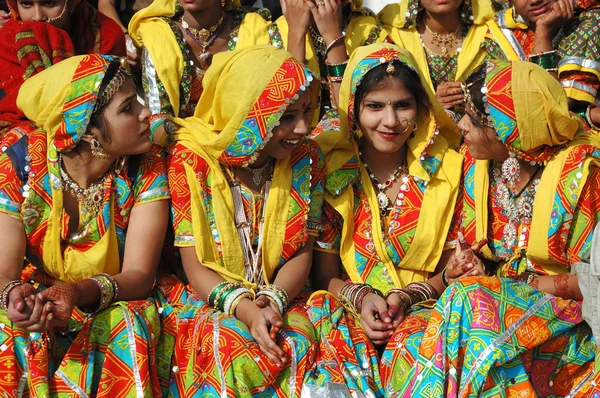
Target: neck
[(260, 161), (204, 19), (527, 172), (84, 168), (442, 24), (382, 163)]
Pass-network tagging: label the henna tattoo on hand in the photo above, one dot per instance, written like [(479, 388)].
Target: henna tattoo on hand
[(561, 286)]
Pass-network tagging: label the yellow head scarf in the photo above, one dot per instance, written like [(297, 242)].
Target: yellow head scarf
[(429, 158), (399, 20), (530, 114), (245, 94), (60, 100)]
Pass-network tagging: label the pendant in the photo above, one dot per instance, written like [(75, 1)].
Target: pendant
[(257, 176), (383, 201), (444, 50), (204, 55)]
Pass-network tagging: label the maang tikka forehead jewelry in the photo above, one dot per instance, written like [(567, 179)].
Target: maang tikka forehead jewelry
[(390, 70)]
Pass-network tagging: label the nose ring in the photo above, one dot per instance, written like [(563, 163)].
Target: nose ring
[(389, 102)]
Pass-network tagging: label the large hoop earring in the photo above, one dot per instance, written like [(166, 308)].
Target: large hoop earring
[(97, 151), (50, 20)]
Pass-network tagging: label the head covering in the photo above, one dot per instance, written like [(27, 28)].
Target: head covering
[(403, 14), (430, 160), (528, 109), (245, 93), (60, 100)]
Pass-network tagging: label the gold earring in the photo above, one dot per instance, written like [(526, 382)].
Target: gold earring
[(97, 150)]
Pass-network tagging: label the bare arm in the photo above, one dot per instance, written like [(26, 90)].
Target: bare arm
[(565, 286), (294, 273), (325, 272), (109, 8), (13, 240), (297, 16)]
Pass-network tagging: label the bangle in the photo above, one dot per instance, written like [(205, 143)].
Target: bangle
[(334, 41), (354, 294), (234, 298), (547, 60), (213, 293), (423, 290), (273, 298), (6, 291), (405, 296), (155, 122), (335, 79), (224, 295), (336, 70), (445, 281), (588, 118), (114, 284), (107, 293)]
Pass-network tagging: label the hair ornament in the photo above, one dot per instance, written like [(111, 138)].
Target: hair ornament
[(113, 86), (390, 70)]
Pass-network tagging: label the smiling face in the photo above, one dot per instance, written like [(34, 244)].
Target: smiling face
[(122, 126), (293, 128), (45, 10), (386, 115), (532, 10)]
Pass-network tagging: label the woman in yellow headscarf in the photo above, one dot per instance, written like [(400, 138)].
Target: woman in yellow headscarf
[(392, 183), (530, 188), (247, 192), (178, 40), (448, 40), (84, 199)]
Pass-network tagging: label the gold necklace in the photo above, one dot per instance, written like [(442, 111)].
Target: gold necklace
[(441, 40), (383, 201), (203, 37), (90, 198)]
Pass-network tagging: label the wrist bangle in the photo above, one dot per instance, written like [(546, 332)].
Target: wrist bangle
[(588, 117), (337, 39), (6, 291), (336, 70), (155, 122), (445, 281), (335, 79), (547, 60)]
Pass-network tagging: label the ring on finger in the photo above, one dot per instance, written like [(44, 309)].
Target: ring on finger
[(321, 3)]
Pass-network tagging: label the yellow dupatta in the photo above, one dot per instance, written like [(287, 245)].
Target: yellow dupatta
[(148, 29), (430, 158), (405, 35), (533, 104), (245, 94), (60, 101)]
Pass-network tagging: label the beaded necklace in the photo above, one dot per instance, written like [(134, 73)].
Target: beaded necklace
[(383, 201)]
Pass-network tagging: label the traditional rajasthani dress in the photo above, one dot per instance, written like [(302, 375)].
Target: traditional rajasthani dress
[(171, 79), (499, 336), (245, 94), (577, 43), (26, 48), (361, 29), (400, 23), (113, 352)]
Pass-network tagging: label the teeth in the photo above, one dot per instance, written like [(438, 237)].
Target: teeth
[(290, 142)]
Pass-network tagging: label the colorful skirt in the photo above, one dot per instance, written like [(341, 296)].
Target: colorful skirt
[(111, 354), (493, 337)]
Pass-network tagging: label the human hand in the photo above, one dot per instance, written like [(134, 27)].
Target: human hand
[(297, 14), (464, 261), (263, 302), (260, 321), (376, 319), (4, 17), (327, 15), (63, 297), (132, 53), (561, 12), (27, 309), (450, 94)]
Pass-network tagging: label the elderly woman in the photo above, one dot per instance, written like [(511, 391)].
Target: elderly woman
[(84, 199)]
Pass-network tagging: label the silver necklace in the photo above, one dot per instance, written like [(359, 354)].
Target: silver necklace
[(258, 174), (383, 201)]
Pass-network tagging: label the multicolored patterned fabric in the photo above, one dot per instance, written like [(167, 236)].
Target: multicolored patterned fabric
[(577, 44), (412, 245), (494, 337)]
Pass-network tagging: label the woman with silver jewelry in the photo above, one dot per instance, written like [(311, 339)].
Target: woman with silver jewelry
[(84, 199), (530, 188), (448, 40), (42, 33), (392, 183), (178, 39), (563, 37)]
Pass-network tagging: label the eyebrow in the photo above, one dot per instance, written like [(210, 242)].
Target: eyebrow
[(129, 98), (407, 99), (297, 110)]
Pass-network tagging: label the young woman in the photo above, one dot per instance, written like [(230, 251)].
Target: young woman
[(561, 36), (447, 39), (530, 183), (84, 198), (178, 40), (42, 33)]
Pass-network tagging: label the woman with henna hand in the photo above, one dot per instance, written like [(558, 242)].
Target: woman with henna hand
[(179, 38), (530, 188), (323, 33), (563, 37), (84, 199), (247, 193), (448, 40), (391, 191)]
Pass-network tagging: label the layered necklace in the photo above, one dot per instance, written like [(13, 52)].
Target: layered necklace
[(258, 174), (318, 41), (91, 198), (383, 201), (443, 40), (204, 37)]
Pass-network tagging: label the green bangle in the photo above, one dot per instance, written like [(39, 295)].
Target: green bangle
[(221, 300), (336, 70), (547, 60), (213, 293)]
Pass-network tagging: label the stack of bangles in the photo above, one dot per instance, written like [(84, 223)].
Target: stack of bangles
[(6, 291), (276, 295), (155, 122), (227, 295), (354, 294), (109, 291), (335, 72), (414, 293), (547, 60)]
